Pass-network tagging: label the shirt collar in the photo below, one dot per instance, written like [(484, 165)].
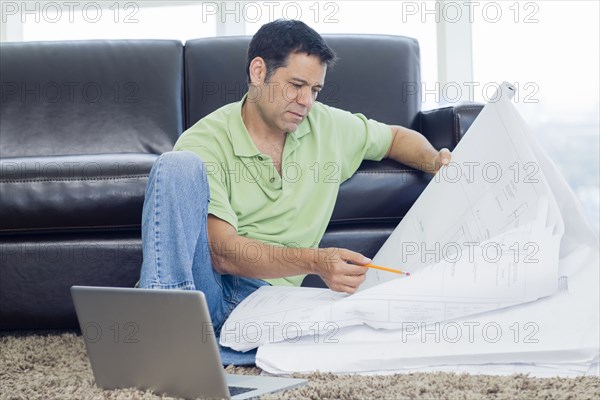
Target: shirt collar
[(242, 143)]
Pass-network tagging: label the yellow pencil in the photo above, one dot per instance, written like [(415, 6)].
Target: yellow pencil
[(395, 271)]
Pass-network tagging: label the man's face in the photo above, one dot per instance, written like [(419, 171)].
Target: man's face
[(285, 100)]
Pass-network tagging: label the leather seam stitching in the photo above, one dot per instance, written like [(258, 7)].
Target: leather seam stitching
[(385, 172), (117, 178), (364, 219), (67, 227)]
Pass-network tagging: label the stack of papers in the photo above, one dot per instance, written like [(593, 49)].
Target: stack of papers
[(504, 277)]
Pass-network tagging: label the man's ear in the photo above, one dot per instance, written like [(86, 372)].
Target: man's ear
[(258, 71)]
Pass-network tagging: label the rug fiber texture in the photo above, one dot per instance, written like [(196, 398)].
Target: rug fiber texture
[(55, 366)]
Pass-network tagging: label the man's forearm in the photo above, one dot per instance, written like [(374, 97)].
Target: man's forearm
[(232, 254), (253, 259), (237, 255), (412, 148)]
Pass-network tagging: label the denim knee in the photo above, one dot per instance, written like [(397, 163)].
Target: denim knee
[(180, 169), (185, 163)]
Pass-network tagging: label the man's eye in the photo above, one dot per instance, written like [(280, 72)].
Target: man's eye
[(297, 86)]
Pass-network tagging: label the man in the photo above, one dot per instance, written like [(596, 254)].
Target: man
[(271, 165)]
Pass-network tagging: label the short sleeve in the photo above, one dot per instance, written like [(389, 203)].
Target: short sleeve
[(362, 138)]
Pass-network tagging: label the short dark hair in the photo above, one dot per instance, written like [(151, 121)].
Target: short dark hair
[(276, 40)]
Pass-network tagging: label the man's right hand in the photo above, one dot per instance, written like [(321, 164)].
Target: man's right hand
[(342, 269)]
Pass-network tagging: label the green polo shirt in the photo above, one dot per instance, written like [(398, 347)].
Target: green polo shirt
[(293, 209)]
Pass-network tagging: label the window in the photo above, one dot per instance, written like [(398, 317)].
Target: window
[(79, 20), (550, 51)]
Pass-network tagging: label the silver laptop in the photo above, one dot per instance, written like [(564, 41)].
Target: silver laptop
[(160, 340)]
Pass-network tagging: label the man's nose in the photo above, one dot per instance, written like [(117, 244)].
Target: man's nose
[(305, 98)]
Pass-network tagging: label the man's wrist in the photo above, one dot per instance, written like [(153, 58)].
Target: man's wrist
[(310, 260)]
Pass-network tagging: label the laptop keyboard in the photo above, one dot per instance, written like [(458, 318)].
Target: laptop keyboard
[(235, 390)]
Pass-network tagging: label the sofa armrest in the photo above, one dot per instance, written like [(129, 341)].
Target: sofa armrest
[(444, 127)]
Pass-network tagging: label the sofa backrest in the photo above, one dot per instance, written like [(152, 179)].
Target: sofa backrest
[(61, 101), (375, 75), (90, 97), (118, 96)]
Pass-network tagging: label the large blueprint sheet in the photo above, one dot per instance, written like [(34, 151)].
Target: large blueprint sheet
[(496, 229)]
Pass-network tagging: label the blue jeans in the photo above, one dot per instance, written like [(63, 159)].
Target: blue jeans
[(175, 242)]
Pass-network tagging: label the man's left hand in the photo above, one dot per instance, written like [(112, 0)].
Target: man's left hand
[(443, 157)]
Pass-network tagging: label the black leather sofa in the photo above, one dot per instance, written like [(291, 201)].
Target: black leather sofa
[(81, 123)]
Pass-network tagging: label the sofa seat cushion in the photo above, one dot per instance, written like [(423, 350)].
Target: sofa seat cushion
[(73, 193)]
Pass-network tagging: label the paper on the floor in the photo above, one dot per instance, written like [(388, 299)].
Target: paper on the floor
[(522, 210), (558, 330)]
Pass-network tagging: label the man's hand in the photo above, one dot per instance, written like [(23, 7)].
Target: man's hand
[(443, 157), (341, 269)]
